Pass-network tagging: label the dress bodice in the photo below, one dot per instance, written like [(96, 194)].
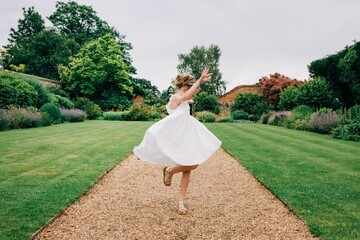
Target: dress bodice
[(183, 107)]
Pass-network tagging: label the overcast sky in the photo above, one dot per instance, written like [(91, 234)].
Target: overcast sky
[(256, 37)]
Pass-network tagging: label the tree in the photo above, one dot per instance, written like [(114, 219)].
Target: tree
[(19, 39), (250, 103), (273, 86), (197, 60), (205, 102), (99, 73), (46, 51), (315, 93), (144, 88), (342, 72), (81, 23)]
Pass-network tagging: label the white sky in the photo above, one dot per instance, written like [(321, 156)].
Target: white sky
[(256, 37)]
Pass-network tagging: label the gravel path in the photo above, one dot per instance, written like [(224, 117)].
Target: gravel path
[(224, 200)]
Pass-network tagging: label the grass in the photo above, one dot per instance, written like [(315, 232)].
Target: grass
[(316, 176), (43, 170)]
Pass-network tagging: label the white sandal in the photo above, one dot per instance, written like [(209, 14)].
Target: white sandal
[(182, 210)]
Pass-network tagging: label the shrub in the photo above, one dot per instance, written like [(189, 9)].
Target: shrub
[(57, 90), (137, 113), (53, 111), (154, 115), (254, 118), (15, 92), (225, 119), (278, 118), (349, 131), (22, 118), (46, 119), (265, 118), (324, 122), (302, 112), (60, 101), (217, 110), (239, 115), (4, 120), (41, 90), (205, 116), (72, 115), (205, 102), (92, 110), (250, 103), (353, 113), (300, 124), (114, 116), (288, 98)]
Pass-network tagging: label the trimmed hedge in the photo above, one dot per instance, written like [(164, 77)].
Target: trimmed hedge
[(205, 117)]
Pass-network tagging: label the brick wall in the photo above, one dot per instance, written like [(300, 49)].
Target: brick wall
[(231, 95)]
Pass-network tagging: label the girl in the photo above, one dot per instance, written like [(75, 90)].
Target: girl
[(179, 141)]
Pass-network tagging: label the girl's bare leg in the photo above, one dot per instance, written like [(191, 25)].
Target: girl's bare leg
[(180, 168)]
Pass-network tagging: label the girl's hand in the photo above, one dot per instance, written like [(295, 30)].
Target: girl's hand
[(190, 101), (205, 75)]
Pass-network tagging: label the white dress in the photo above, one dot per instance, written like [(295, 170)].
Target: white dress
[(177, 139)]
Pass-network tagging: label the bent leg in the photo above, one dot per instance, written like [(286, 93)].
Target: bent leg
[(181, 168)]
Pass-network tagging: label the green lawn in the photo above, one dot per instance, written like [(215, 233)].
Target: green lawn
[(42, 170), (317, 176)]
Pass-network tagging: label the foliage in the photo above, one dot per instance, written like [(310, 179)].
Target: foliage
[(81, 23), (38, 49), (20, 68), (324, 122), (217, 109), (349, 131), (92, 110), (97, 72), (53, 111), (43, 96), (199, 58), (60, 101), (315, 93), (225, 119), (288, 98), (31, 24), (302, 112), (72, 115), (55, 89), (205, 117), (342, 72), (137, 113), (264, 119), (114, 116), (20, 118), (273, 86), (4, 120), (239, 115), (353, 113), (165, 95), (45, 52), (16, 92), (205, 102), (253, 104), (279, 118), (150, 92)]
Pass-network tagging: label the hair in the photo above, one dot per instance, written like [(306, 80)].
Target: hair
[(184, 80)]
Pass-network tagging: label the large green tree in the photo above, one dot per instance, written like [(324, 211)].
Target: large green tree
[(28, 27), (81, 23), (199, 58), (144, 88), (99, 73), (342, 72), (46, 51)]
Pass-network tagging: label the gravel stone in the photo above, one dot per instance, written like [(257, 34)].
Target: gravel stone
[(131, 202)]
